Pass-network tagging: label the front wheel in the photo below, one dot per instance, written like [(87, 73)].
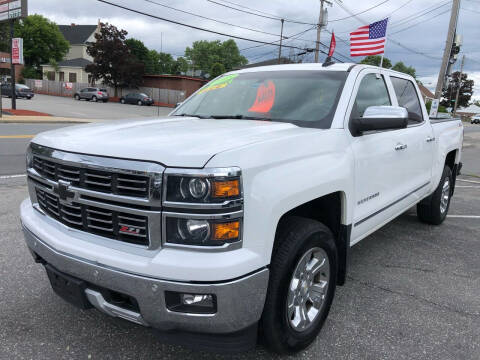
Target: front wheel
[(302, 284), (94, 98), (140, 103), (433, 210)]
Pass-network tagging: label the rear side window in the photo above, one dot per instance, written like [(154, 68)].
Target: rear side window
[(371, 92), (408, 98)]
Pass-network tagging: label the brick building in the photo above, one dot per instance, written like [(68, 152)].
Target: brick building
[(5, 67)]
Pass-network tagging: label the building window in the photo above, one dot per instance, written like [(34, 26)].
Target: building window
[(61, 75), (72, 77), (51, 75)]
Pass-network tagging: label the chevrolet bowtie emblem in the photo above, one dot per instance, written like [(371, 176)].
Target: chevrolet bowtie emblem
[(63, 192)]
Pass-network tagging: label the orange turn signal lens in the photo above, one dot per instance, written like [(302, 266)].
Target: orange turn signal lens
[(226, 189), (226, 231)]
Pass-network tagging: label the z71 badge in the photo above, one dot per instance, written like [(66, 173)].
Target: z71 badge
[(129, 230)]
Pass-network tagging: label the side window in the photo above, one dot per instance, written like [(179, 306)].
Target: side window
[(371, 92), (408, 98)]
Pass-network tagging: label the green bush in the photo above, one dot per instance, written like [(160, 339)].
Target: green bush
[(30, 72)]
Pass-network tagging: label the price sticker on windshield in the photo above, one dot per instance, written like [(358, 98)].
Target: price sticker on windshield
[(265, 98)]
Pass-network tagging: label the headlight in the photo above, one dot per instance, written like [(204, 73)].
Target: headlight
[(202, 232), (203, 207), (204, 186)]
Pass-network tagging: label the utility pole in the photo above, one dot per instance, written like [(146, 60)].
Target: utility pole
[(459, 86), (14, 100), (321, 22), (280, 47), (448, 47)]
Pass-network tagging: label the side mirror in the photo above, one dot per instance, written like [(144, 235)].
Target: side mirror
[(380, 118), (178, 104)]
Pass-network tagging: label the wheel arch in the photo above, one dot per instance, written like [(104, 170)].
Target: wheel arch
[(330, 210)]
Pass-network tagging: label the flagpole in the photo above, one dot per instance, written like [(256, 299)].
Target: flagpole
[(385, 47)]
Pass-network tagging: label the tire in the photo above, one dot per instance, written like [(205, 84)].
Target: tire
[(94, 98), (139, 103), (77, 97), (434, 209), (296, 238), (122, 101)]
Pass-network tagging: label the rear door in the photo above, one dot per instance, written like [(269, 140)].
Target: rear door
[(420, 137), (380, 180)]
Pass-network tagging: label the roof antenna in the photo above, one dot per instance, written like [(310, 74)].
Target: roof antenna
[(328, 62)]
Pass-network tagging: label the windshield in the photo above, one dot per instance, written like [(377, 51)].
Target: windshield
[(21, 86), (143, 95), (304, 98)]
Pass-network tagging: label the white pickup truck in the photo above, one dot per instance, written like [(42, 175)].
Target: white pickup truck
[(236, 213)]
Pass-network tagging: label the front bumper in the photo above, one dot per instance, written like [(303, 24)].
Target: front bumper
[(239, 302)]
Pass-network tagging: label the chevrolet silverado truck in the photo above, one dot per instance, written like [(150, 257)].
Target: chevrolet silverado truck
[(234, 215)]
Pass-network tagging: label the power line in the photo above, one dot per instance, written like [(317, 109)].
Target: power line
[(475, 11), (192, 26), (420, 22), (400, 7), (290, 37), (262, 16), (361, 12), (208, 18), (420, 14)]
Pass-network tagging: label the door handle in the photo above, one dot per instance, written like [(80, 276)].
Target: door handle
[(430, 139), (400, 147)]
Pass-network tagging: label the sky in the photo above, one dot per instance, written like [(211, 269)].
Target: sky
[(424, 35)]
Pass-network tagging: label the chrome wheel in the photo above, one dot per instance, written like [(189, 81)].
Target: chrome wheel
[(308, 289), (445, 196)]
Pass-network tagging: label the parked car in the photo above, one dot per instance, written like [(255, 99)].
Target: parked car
[(21, 91), (92, 93), (136, 98), (240, 208), (475, 119)]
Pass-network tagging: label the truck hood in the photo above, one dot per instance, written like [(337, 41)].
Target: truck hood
[(171, 141)]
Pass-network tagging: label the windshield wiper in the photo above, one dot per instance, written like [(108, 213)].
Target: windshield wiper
[(193, 115), (240, 117)]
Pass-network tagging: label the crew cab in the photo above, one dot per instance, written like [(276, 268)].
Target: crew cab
[(240, 207)]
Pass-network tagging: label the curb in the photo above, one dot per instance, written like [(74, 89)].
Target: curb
[(43, 120)]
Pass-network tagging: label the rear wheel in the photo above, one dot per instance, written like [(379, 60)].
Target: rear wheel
[(140, 103), (122, 101), (302, 284), (433, 210), (77, 97), (94, 98)]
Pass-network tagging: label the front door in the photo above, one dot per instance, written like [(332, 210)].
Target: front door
[(380, 158)]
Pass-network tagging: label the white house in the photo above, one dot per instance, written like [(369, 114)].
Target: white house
[(72, 67)]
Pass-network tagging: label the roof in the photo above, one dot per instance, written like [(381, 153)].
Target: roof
[(78, 62), (77, 34), (275, 61), (304, 66), (425, 92)]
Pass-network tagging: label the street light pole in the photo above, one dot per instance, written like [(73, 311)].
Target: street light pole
[(14, 100), (448, 47), (319, 29), (280, 47)]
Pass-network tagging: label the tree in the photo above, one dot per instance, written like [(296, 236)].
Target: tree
[(113, 61), (4, 37), (401, 67), (216, 70), (180, 66), (203, 54), (42, 40), (375, 61), (163, 63), (465, 94), (142, 53)]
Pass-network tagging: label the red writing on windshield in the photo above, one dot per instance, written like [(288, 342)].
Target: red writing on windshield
[(265, 98)]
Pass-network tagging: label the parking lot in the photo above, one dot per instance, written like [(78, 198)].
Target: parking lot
[(413, 291), (68, 107)]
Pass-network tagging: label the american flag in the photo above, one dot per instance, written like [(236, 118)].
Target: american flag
[(369, 39)]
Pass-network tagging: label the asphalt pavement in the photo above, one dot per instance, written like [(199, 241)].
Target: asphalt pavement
[(69, 107), (413, 292)]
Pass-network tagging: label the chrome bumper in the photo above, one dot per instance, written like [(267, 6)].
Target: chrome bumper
[(239, 302)]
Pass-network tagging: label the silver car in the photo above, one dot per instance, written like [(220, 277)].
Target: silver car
[(475, 119), (92, 93)]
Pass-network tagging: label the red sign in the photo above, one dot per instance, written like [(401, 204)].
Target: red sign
[(17, 51), (265, 98)]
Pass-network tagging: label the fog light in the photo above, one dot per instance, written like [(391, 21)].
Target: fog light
[(191, 303)]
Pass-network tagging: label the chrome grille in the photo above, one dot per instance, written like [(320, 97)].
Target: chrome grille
[(95, 180), (117, 225)]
